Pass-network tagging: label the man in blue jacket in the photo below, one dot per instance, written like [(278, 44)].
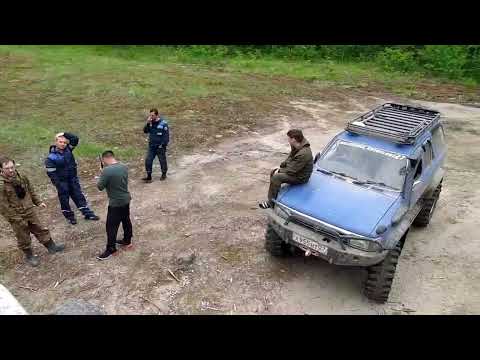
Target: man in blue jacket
[(158, 138), (62, 171)]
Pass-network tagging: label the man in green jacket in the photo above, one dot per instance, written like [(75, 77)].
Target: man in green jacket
[(18, 201), (296, 169), (114, 179)]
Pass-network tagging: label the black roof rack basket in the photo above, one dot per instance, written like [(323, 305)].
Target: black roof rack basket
[(402, 124)]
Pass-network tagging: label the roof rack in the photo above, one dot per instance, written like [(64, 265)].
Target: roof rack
[(402, 124)]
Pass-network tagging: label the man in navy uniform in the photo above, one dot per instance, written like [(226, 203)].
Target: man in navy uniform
[(62, 171), (158, 138)]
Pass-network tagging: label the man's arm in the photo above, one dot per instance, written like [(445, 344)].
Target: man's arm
[(296, 164), (146, 128), (51, 167), (5, 208), (72, 139), (102, 181), (35, 198)]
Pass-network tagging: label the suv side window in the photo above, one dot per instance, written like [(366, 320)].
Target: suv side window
[(427, 155), (419, 170), (438, 140)]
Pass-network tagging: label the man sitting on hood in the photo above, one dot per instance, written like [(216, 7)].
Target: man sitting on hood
[(296, 169)]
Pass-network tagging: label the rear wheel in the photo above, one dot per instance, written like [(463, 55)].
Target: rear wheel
[(380, 276), (425, 215), (274, 243)]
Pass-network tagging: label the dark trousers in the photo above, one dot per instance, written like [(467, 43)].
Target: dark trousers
[(115, 216), (276, 182), (70, 188), (153, 151)]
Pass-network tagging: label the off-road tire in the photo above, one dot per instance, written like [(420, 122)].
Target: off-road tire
[(274, 243), (380, 276), (425, 215)]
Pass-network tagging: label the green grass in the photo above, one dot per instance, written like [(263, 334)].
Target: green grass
[(102, 93)]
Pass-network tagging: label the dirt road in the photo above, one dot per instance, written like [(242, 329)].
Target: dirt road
[(209, 205)]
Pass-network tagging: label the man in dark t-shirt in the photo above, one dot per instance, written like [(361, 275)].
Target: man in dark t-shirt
[(114, 179)]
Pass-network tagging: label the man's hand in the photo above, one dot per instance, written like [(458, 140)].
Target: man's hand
[(43, 205)]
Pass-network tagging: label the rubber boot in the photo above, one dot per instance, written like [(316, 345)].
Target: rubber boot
[(31, 259), (54, 248)]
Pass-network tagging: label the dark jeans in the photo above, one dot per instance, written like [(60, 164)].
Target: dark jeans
[(276, 182), (70, 188), (153, 151), (115, 216)]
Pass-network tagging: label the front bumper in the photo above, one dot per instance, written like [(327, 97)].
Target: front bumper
[(335, 254)]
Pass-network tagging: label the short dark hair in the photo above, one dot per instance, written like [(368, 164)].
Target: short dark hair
[(295, 134), (5, 160), (107, 154), (154, 110)]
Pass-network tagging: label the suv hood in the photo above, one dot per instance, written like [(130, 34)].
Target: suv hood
[(340, 203)]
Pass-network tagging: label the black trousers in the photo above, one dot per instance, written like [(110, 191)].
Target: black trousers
[(115, 216), (154, 151)]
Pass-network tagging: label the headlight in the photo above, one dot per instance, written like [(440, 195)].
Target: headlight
[(364, 245), (282, 213)]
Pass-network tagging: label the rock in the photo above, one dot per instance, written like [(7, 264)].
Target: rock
[(9, 304), (186, 258), (79, 307)]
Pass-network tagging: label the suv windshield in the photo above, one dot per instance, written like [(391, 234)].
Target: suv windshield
[(365, 164)]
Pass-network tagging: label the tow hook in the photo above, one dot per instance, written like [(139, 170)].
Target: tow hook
[(308, 253)]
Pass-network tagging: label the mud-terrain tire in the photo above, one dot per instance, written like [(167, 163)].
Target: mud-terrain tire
[(380, 276), (274, 243), (425, 215)]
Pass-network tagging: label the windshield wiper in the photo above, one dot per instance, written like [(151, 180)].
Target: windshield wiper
[(325, 171), (370, 182), (345, 175)]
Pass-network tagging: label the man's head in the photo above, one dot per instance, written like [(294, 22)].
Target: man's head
[(108, 157), (295, 137), (7, 167), (61, 141), (153, 113)]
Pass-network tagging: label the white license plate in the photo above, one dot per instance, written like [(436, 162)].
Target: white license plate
[(310, 244)]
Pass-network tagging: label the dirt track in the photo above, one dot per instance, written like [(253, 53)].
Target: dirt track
[(209, 204)]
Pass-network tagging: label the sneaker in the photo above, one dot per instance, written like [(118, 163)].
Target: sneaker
[(265, 205), (126, 245), (107, 254), (92, 217), (72, 221)]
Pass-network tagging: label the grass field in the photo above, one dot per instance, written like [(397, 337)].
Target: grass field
[(103, 93)]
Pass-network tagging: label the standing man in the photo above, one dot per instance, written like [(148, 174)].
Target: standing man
[(114, 178), (296, 169), (62, 171), (158, 138), (17, 205)]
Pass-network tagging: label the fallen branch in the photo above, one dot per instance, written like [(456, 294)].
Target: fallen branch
[(173, 275), (212, 308), (28, 288), (151, 302)]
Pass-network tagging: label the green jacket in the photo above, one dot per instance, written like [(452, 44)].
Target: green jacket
[(11, 206), (299, 162)]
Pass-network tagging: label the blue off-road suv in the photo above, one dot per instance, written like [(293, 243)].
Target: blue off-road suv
[(369, 184)]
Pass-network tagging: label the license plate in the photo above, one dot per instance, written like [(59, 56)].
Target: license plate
[(310, 244)]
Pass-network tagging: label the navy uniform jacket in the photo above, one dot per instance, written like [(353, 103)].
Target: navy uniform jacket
[(158, 132), (62, 166)]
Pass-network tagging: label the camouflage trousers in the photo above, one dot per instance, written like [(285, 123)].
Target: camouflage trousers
[(29, 224)]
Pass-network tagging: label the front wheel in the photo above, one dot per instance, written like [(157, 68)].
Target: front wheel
[(425, 215), (380, 276), (274, 243)]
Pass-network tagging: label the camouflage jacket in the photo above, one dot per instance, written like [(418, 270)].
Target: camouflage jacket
[(13, 207)]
